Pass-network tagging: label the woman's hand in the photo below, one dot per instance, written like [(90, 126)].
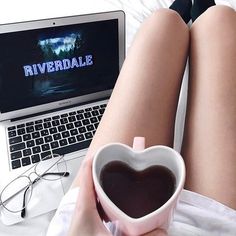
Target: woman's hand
[(86, 220)]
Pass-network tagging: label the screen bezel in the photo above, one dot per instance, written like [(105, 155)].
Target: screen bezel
[(54, 22)]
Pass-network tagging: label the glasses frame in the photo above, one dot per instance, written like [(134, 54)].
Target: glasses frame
[(31, 183)]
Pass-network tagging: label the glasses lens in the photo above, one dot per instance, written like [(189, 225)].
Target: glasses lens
[(16, 195), (47, 168)]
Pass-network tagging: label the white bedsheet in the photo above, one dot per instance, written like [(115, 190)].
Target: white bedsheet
[(136, 11)]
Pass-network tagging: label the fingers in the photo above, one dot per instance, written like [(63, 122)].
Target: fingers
[(86, 198)]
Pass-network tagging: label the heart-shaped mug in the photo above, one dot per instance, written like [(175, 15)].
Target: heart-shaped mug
[(139, 159)]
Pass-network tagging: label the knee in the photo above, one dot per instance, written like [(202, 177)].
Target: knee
[(167, 15), (168, 19), (218, 19)]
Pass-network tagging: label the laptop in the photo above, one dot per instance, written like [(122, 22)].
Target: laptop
[(56, 77)]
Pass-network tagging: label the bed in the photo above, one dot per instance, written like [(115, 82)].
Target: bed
[(136, 11)]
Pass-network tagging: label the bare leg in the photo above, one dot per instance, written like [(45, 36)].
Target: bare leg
[(209, 146), (146, 94), (145, 97)]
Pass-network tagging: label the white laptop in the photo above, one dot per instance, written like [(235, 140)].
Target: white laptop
[(56, 76)]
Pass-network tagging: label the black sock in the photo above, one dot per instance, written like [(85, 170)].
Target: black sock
[(199, 6), (183, 7)]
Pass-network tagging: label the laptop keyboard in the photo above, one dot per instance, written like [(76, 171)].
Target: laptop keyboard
[(61, 134)]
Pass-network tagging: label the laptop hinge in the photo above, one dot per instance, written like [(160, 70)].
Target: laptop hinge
[(58, 109)]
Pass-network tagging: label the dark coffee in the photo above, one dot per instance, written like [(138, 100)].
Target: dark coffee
[(137, 193)]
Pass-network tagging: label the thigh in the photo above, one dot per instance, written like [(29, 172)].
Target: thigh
[(145, 97), (209, 146)]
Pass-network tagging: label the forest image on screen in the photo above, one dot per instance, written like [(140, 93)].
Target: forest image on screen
[(60, 54), (58, 48)]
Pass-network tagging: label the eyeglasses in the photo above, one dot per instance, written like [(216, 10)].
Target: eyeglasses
[(16, 195)]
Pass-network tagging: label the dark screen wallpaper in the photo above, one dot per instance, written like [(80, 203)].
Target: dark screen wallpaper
[(46, 65)]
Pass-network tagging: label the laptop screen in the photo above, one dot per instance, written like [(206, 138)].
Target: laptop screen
[(51, 64)]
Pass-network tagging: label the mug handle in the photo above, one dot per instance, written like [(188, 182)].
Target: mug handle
[(139, 143)]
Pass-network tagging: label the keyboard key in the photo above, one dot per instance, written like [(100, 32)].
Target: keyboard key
[(21, 131), (95, 113), (11, 128), (47, 119), (15, 164), (12, 134), (61, 128), (71, 118), (73, 132), (87, 115), (15, 140), (72, 148), (103, 105), (47, 125), (101, 111), (88, 135), (53, 130), (64, 115), (72, 113), (80, 117), (82, 130), (25, 161), (45, 147), (35, 158), (35, 135), (56, 117), (78, 124), (29, 123), (64, 121), (16, 155), (36, 149), (96, 125), (46, 156), (44, 132), (26, 137), (93, 120), (90, 127), (30, 129), (65, 134), (95, 107), (48, 139), (39, 127), (38, 122), (71, 140), (80, 111), (80, 137), (17, 147), (85, 122), (57, 136), (55, 122), (54, 144), (30, 143), (63, 142), (70, 126), (88, 109), (27, 152), (39, 141), (20, 126), (99, 117)]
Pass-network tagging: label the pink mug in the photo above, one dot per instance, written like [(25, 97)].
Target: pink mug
[(139, 159)]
